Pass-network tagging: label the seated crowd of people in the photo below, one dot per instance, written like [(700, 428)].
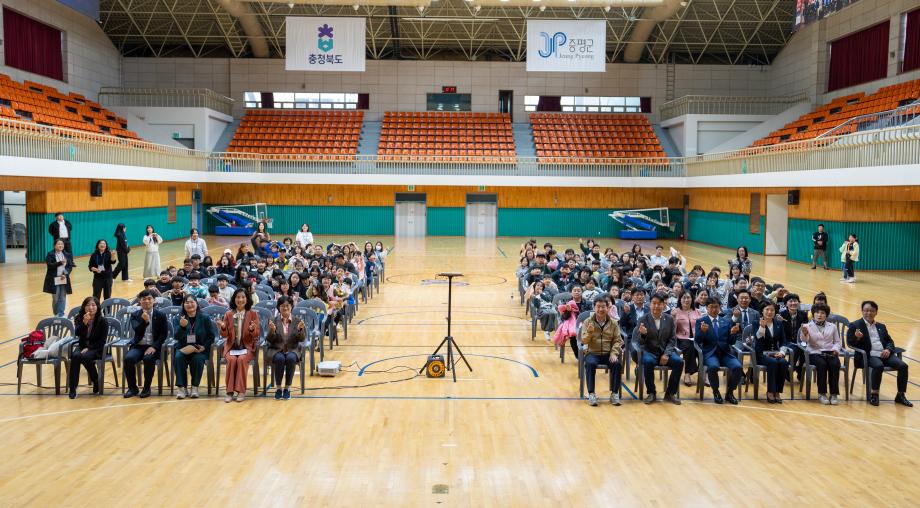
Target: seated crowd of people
[(272, 275), (662, 314)]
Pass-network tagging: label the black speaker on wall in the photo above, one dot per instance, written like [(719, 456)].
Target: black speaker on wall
[(793, 197), (95, 188)]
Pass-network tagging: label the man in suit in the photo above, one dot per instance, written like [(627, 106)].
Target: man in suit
[(150, 330), (872, 337), (655, 335), (61, 229), (633, 311), (716, 336), (793, 318), (743, 313)]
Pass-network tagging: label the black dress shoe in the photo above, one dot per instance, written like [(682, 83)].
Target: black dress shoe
[(902, 399), (97, 390), (72, 395), (716, 397), (730, 398), (130, 393), (145, 393), (649, 398), (673, 399), (873, 399)]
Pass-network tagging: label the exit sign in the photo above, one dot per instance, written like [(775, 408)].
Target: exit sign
[(482, 188), (449, 89), (410, 188)]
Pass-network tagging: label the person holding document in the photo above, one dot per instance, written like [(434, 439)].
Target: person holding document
[(241, 330), (194, 337)]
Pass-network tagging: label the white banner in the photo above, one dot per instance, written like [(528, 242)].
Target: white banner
[(566, 45), (324, 44)]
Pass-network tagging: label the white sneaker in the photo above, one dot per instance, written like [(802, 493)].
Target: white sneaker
[(229, 397), (547, 335), (592, 399), (194, 393), (615, 399), (852, 281), (129, 280), (823, 400), (240, 397), (181, 393), (834, 400)]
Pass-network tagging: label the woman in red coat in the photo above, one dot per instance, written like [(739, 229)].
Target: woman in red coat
[(241, 328)]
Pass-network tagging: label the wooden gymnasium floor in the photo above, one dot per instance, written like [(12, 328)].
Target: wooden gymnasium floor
[(501, 436)]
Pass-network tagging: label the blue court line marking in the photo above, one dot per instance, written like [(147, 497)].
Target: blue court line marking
[(14, 338), (909, 358), (630, 392), (892, 374), (532, 370), (500, 250)]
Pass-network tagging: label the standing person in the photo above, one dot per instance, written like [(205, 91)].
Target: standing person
[(285, 333), (258, 236), (742, 261), (819, 239), (601, 336), (304, 236), (872, 337), (57, 277), (822, 343), (61, 229), (150, 331), (100, 263), (121, 249), (849, 255), (152, 257), (194, 337), (91, 330), (240, 327), (195, 245)]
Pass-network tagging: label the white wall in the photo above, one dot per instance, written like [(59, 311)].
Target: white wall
[(803, 64), (158, 124), (91, 60), (402, 85), (699, 134)]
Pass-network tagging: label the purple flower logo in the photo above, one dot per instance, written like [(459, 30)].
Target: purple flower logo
[(324, 41)]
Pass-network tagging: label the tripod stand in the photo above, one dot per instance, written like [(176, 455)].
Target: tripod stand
[(450, 362)]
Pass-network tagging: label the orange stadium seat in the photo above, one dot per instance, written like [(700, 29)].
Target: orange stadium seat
[(427, 135), (45, 105), (321, 135), (841, 109), (592, 138)]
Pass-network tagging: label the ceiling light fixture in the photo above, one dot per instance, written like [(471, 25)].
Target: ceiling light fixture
[(356, 7), (542, 8), (606, 8)]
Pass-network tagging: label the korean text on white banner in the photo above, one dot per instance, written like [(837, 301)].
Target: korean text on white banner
[(566, 45), (325, 44)]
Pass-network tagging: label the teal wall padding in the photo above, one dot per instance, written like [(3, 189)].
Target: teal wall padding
[(729, 230), (882, 245), (577, 222), (324, 220), (447, 221)]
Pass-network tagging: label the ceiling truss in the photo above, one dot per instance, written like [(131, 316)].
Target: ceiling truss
[(732, 32)]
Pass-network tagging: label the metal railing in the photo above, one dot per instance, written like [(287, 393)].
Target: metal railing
[(166, 98), (897, 117), (883, 147), (722, 105), (24, 139)]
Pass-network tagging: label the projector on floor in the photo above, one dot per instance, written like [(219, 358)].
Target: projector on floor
[(329, 368)]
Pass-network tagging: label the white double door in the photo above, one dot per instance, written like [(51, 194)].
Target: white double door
[(481, 220), (411, 219)]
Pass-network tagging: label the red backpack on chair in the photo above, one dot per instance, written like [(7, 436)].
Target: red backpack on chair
[(32, 343)]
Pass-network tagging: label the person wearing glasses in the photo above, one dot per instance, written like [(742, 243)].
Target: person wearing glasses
[(872, 337)]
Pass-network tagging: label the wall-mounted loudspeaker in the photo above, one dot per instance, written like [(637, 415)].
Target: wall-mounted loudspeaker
[(95, 188), (793, 197)]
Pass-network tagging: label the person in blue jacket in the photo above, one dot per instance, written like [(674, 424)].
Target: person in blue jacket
[(716, 335)]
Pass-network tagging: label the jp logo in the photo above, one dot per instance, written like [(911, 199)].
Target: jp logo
[(324, 41), (551, 43)]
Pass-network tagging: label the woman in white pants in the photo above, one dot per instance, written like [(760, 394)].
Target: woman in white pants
[(152, 258)]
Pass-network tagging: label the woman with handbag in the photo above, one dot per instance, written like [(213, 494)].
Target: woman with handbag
[(59, 263), (122, 249)]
